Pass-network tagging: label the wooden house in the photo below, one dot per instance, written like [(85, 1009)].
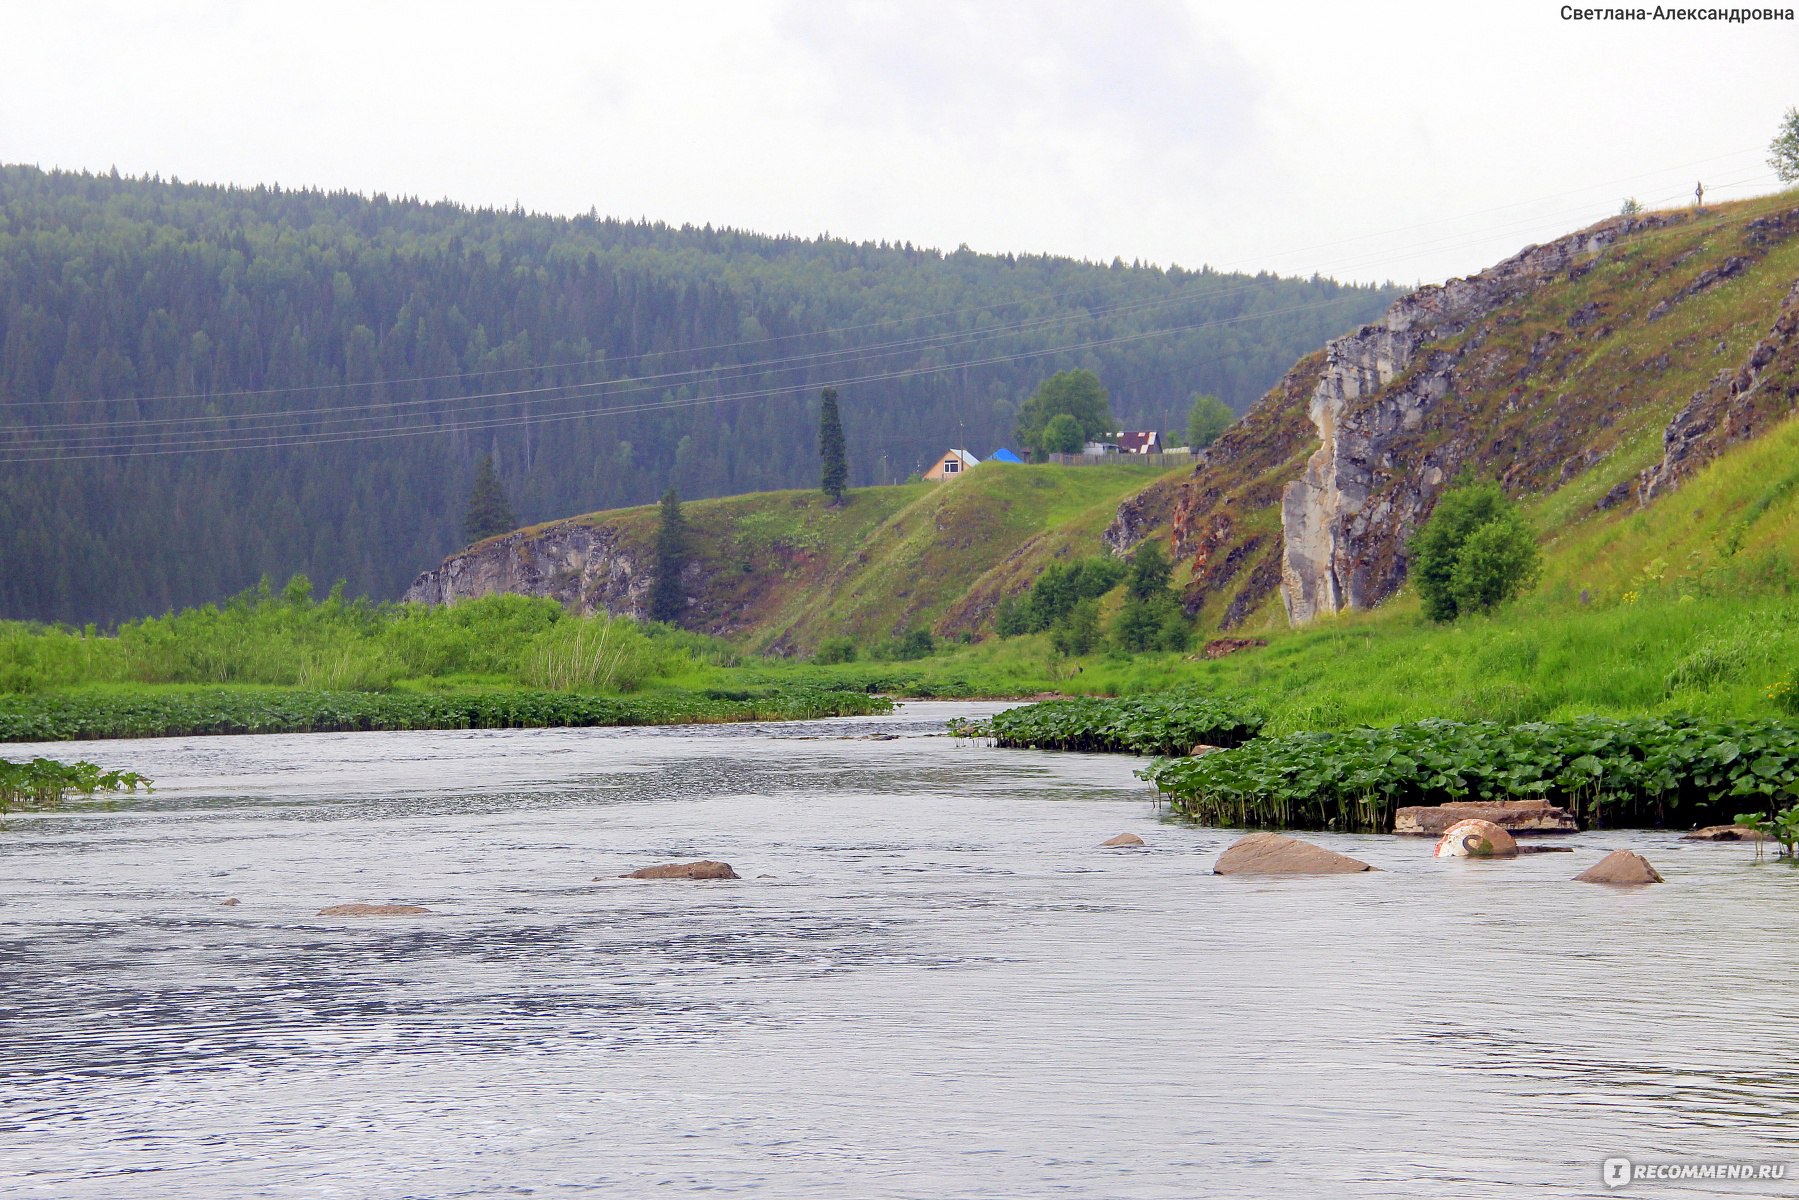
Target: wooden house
[(952, 464)]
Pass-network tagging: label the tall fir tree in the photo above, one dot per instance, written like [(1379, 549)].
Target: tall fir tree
[(668, 599), (834, 472), (488, 512)]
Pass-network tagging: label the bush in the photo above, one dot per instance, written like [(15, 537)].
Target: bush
[(1078, 632), (1055, 593), (1475, 553), (908, 647), (835, 650), (1063, 435), (598, 654)]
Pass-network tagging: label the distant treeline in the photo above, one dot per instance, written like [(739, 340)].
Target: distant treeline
[(307, 329)]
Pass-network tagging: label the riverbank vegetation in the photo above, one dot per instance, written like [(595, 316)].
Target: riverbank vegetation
[(41, 783), (282, 661), (1679, 771)]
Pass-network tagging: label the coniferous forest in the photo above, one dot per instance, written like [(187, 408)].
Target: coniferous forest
[(201, 385)]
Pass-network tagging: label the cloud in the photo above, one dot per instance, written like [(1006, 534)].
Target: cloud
[(1137, 78)]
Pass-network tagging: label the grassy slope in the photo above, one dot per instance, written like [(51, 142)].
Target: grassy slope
[(782, 571), (1562, 394)]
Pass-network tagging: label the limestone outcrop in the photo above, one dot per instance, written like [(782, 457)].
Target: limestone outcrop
[(588, 568), (1345, 520)]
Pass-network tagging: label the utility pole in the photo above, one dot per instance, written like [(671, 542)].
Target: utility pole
[(1699, 194)]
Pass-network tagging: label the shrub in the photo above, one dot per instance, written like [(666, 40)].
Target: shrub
[(1078, 632), (1474, 553), (835, 650)]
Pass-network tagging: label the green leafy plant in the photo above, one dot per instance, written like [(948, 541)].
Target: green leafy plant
[(41, 783), (1474, 553)]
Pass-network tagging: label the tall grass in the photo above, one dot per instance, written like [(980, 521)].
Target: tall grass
[(287, 638)]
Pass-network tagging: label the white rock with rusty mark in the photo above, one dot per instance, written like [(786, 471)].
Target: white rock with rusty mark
[(1476, 839)]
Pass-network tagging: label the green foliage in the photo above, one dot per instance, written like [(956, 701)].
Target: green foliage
[(489, 514), (1208, 418), (1783, 151), (1054, 593), (1474, 553), (1495, 563), (596, 655), (1062, 435), (1078, 633), (1637, 771), (45, 783), (668, 596), (182, 713), (1077, 394), (1781, 825), (910, 646), (1156, 624), (835, 650), (1631, 207), (408, 324), (1163, 723), (834, 469), (1148, 575), (1151, 618)]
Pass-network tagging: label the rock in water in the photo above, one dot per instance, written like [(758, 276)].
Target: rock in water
[(1513, 816), (704, 869), (231, 902), (1276, 854), (1725, 833), (1123, 839), (373, 910), (1626, 868), (1476, 839)]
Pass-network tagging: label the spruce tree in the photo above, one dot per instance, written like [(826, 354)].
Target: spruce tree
[(834, 471), (667, 598), (488, 512)]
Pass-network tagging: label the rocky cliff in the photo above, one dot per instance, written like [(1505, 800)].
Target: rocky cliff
[(1542, 371), (589, 568)]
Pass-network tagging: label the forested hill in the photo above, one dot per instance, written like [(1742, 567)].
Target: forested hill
[(200, 385)]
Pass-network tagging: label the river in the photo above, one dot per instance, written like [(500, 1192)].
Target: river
[(930, 983)]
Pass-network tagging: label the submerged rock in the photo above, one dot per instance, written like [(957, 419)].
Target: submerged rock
[(1476, 839), (1277, 854), (1123, 839), (373, 910), (1625, 868), (1513, 816), (231, 902), (704, 869), (1725, 833)]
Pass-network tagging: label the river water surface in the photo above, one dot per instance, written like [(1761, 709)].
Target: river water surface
[(929, 983)]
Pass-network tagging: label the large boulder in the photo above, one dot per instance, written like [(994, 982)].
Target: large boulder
[(373, 910), (1513, 816), (1725, 833), (1276, 854), (1625, 868), (1123, 839), (1476, 839), (704, 869)]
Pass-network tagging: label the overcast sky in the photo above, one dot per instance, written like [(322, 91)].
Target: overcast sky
[(1363, 140)]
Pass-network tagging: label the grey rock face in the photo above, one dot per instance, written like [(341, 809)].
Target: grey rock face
[(585, 567), (1344, 530)]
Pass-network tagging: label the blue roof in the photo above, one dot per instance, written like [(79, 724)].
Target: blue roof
[(1003, 455)]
